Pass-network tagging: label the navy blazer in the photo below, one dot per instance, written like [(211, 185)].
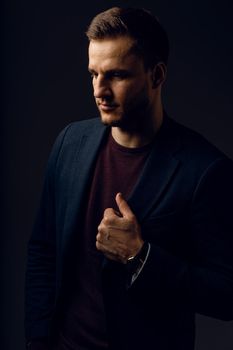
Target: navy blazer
[(183, 201)]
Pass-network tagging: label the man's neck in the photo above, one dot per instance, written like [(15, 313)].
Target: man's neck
[(140, 137)]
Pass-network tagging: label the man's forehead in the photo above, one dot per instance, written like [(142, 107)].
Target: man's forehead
[(111, 47), (108, 53), (127, 63)]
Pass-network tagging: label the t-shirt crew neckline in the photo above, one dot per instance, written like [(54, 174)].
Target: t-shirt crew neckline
[(115, 145)]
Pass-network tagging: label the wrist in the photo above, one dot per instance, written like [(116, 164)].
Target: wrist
[(135, 261), (137, 251)]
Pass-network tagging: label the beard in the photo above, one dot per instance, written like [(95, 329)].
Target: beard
[(132, 117)]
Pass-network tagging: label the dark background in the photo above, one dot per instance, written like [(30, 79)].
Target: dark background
[(46, 86)]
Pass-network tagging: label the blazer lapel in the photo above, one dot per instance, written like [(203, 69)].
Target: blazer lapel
[(80, 174), (158, 171)]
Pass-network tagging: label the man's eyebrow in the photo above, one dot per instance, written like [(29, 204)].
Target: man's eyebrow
[(120, 70), (111, 72)]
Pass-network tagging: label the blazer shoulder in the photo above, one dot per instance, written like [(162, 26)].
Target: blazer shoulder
[(196, 146), (70, 136), (77, 129)]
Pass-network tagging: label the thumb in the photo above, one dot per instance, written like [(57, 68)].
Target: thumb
[(123, 206)]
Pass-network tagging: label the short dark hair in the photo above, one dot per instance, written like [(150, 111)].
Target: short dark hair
[(151, 40)]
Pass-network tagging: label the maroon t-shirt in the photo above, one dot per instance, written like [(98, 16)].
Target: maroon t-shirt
[(117, 170)]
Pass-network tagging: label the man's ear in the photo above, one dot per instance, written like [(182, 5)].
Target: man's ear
[(159, 73)]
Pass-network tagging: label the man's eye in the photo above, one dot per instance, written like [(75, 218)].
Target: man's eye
[(118, 75), (93, 75)]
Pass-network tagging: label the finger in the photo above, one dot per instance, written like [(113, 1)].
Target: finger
[(109, 253), (103, 238), (111, 213), (111, 218), (123, 206), (104, 249), (117, 254)]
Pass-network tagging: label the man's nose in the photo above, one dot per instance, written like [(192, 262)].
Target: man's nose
[(101, 87)]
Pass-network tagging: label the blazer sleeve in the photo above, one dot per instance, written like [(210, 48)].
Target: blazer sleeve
[(206, 283), (40, 280)]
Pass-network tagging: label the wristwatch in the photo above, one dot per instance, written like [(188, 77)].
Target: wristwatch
[(135, 263)]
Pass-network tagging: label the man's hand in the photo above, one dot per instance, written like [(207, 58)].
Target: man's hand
[(119, 233)]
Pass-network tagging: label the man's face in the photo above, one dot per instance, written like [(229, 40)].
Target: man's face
[(122, 87)]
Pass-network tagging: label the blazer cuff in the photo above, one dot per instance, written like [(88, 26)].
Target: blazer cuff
[(135, 266)]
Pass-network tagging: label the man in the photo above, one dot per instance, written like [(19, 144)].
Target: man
[(134, 233)]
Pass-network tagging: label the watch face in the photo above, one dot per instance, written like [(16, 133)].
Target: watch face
[(131, 258)]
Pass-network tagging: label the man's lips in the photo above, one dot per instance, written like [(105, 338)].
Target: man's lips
[(107, 106)]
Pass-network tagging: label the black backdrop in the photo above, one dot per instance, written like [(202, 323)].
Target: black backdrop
[(46, 86)]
